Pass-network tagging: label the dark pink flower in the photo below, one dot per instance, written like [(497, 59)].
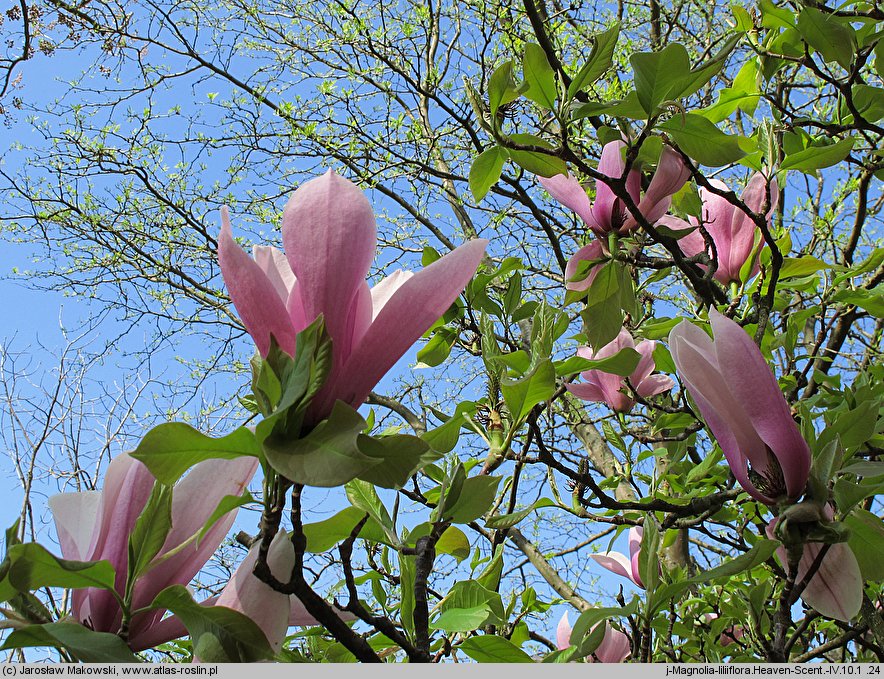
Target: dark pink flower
[(611, 389), (608, 214), (743, 406), (731, 230)]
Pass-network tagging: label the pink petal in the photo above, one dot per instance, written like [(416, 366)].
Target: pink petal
[(254, 295), (76, 516), (329, 234), (611, 165), (655, 384), (690, 244), (410, 311), (127, 486), (616, 563), (383, 291), (593, 251), (645, 365), (563, 632), (836, 591), (635, 544), (587, 391), (245, 593), (568, 191), (670, 176), (697, 364), (754, 194), (752, 384), (276, 267), (615, 646)]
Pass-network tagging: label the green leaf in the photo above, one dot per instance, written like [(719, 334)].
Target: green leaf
[(603, 313), (660, 76), (492, 649), (503, 521), (623, 363), (818, 157), (485, 171), (501, 88), (848, 494), (453, 542), (149, 533), (437, 349), (219, 634), (227, 504), (801, 266), (536, 387), (170, 449), (81, 642), (323, 535), (870, 300), (461, 619), (400, 457), (328, 456), (475, 498), (362, 495), (443, 438), (589, 619), (867, 543), (539, 77), (600, 59), (536, 162), (31, 566), (759, 553), (834, 40), (703, 141), (649, 558), (406, 587)]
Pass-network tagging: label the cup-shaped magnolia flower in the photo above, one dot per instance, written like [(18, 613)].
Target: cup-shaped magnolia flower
[(615, 646), (732, 231), (741, 402), (836, 589), (594, 252), (618, 563), (329, 236), (609, 214), (96, 525), (611, 389)]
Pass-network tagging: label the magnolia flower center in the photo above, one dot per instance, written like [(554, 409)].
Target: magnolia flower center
[(769, 480)]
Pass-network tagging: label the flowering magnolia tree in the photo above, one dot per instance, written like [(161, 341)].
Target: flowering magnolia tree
[(635, 248)]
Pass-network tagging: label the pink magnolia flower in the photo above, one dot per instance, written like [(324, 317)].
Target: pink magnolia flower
[(744, 408), (836, 589), (329, 234), (608, 214), (618, 563), (731, 230), (96, 525), (588, 253), (611, 389), (615, 646)]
